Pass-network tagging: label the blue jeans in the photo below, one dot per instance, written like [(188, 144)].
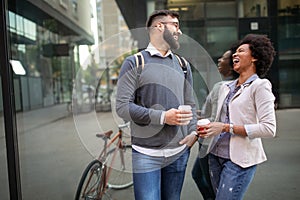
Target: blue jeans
[(230, 181), (200, 174), (158, 178)]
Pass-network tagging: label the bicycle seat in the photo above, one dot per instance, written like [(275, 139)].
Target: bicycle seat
[(106, 134)]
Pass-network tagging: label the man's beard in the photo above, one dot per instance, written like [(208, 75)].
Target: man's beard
[(168, 37)]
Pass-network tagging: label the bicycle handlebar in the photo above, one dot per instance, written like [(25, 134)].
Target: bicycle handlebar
[(124, 125)]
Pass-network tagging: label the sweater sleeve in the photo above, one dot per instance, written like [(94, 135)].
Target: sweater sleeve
[(264, 101)]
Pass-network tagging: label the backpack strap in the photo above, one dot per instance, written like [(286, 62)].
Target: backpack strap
[(139, 60), (183, 63), (140, 63)]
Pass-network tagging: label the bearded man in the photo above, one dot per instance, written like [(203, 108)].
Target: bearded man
[(161, 134)]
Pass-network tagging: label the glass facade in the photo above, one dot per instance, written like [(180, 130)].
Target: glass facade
[(4, 190), (47, 76), (44, 53), (289, 52), (208, 22), (218, 24), (43, 41)]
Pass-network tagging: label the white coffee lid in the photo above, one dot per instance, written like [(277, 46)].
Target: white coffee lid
[(184, 107), (203, 122)]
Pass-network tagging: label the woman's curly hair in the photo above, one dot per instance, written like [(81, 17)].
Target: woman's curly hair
[(262, 50)]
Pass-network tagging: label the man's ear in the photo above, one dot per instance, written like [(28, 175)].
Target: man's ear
[(160, 26)]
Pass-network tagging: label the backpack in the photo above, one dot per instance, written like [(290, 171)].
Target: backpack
[(139, 60)]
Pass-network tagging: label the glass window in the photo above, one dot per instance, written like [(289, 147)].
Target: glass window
[(220, 9), (289, 52), (288, 8), (75, 6), (254, 8), (4, 171), (29, 29), (188, 10), (48, 140), (4, 190), (12, 22), (216, 44)]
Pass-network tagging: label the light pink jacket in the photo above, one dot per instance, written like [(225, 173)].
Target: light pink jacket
[(253, 107)]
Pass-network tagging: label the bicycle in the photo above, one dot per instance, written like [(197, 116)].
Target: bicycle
[(100, 175)]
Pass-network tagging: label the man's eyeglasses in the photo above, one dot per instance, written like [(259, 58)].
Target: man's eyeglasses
[(176, 24)]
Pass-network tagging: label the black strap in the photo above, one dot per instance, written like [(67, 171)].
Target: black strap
[(183, 64), (140, 67), (140, 64)]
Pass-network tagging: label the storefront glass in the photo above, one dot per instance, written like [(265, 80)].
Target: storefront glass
[(44, 57), (4, 171), (207, 22), (289, 52), (4, 190)]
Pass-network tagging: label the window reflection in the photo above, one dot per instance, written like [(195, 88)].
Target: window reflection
[(4, 190), (207, 22), (255, 8), (48, 77)]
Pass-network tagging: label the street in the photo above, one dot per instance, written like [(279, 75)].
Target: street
[(53, 156)]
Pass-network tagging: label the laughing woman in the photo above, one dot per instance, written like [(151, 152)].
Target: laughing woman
[(245, 114)]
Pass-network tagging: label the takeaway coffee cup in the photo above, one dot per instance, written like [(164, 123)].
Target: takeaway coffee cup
[(201, 123), (203, 151), (186, 118), (185, 107)]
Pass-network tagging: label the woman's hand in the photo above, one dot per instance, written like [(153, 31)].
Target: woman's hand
[(211, 129)]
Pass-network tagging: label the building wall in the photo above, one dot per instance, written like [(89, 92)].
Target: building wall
[(81, 15), (218, 24)]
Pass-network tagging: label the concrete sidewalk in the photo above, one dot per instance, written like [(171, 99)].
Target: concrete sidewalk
[(40, 117), (279, 177), (50, 139)]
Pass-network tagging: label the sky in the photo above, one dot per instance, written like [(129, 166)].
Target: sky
[(83, 49)]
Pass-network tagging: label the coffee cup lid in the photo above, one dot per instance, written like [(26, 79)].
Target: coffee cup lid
[(203, 122)]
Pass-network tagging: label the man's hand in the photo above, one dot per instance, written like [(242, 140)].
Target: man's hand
[(189, 140), (178, 117)]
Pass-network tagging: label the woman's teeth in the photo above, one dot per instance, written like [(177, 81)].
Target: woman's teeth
[(235, 60)]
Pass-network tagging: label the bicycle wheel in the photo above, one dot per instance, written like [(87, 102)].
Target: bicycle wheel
[(120, 176), (90, 185)]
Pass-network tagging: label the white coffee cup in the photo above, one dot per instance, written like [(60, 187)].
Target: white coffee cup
[(202, 122), (185, 108), (203, 149)]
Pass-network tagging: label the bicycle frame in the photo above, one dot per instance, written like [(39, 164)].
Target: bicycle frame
[(103, 155), (100, 174)]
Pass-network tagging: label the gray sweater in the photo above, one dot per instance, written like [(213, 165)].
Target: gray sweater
[(162, 86)]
